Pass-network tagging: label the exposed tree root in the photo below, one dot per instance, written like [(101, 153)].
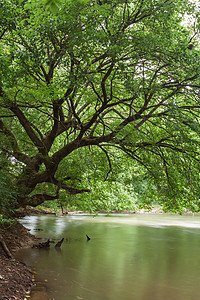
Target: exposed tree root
[(5, 248)]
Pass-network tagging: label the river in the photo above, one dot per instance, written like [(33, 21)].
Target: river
[(129, 257)]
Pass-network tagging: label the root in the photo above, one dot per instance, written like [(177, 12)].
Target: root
[(5, 248)]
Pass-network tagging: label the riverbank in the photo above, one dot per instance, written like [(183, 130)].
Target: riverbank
[(36, 211), (16, 279)]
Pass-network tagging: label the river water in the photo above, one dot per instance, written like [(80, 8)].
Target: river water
[(129, 257)]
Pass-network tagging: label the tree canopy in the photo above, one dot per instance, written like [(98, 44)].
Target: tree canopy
[(93, 92)]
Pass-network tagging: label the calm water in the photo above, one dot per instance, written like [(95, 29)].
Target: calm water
[(129, 257)]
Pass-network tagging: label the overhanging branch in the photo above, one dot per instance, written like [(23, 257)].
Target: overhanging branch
[(109, 161), (72, 191), (13, 142)]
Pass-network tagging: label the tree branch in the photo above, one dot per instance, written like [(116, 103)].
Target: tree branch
[(70, 190), (13, 142), (27, 126), (49, 139), (103, 87), (109, 161)]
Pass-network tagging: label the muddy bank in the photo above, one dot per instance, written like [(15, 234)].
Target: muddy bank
[(16, 279), (29, 211)]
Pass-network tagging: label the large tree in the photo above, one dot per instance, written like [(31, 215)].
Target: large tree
[(101, 74)]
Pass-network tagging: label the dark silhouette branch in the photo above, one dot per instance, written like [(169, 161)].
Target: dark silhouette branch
[(109, 161)]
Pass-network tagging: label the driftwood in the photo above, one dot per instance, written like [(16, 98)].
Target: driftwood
[(44, 245), (58, 245), (5, 248), (88, 238)]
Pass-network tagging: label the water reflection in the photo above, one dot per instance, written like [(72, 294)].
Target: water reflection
[(128, 257)]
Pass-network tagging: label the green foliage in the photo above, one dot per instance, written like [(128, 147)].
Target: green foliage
[(7, 190), (82, 82), (52, 5), (6, 221)]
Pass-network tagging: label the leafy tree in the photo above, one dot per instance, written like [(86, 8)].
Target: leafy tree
[(100, 75)]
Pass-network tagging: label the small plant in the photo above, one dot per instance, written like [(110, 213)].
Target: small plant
[(4, 221)]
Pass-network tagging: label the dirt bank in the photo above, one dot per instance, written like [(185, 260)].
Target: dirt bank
[(16, 279)]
